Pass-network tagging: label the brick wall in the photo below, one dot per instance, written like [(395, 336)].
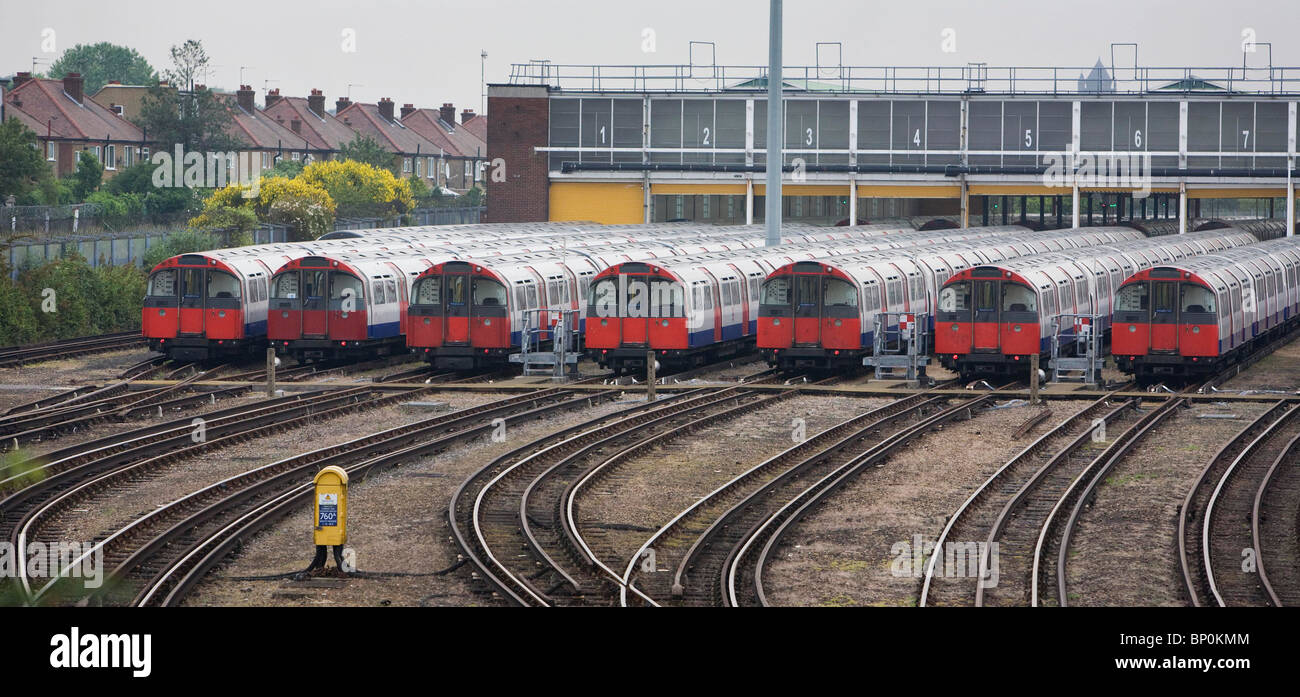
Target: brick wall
[(519, 121)]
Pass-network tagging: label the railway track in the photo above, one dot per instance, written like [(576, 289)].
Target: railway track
[(713, 529), (1220, 529), (1019, 493), (55, 350), (516, 519), (158, 558)]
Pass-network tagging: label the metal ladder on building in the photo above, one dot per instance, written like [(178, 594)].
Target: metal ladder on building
[(902, 351), (561, 360), (1077, 358)]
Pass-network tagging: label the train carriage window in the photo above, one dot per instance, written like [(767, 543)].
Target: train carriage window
[(839, 293), (428, 290), (955, 297), (1018, 298), (487, 292), (1134, 297), (346, 285), (223, 285), (1197, 298), (777, 291), (163, 284)]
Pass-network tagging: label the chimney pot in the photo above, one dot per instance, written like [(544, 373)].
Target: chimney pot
[(72, 85), (245, 98), (316, 103)]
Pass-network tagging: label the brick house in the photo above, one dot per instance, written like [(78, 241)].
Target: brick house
[(461, 154), (67, 121)]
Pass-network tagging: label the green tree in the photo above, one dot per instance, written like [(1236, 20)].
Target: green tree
[(189, 61), (99, 63), (198, 121), (367, 150), (21, 165), (88, 176)]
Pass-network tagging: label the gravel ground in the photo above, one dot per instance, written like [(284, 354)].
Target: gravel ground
[(851, 551), (397, 523), (1277, 371), (1125, 547), (104, 513), (650, 490)]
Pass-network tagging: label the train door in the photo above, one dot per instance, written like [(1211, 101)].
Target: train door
[(1164, 316), (634, 308), (986, 325), (315, 298), (192, 294), (455, 330), (807, 309)]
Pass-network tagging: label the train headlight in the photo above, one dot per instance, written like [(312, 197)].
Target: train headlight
[(1132, 329)]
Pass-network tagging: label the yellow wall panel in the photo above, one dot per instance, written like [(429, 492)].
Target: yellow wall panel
[(609, 203)]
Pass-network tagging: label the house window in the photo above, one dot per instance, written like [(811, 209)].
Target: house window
[(406, 164), (51, 151)]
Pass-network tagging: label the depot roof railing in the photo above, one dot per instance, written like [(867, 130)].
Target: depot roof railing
[(975, 78)]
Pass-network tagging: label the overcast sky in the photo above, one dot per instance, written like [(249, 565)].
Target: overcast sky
[(428, 52)]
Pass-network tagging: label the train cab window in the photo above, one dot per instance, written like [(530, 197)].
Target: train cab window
[(777, 291), (428, 290), (345, 285), (163, 284), (1134, 297), (1196, 298), (602, 298), (222, 285), (313, 284), (955, 297), (192, 283), (1018, 298), (839, 293), (455, 289), (486, 292)]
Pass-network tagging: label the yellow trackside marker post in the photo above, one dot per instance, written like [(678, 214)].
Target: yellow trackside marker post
[(330, 513)]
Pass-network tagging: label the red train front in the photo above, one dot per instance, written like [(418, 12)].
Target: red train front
[(808, 317), (1166, 325), (459, 317)]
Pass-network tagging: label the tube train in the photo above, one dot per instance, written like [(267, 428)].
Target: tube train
[(310, 319), (822, 315), (212, 304), (1202, 314), (692, 310), (992, 318), (209, 304), (468, 314)]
